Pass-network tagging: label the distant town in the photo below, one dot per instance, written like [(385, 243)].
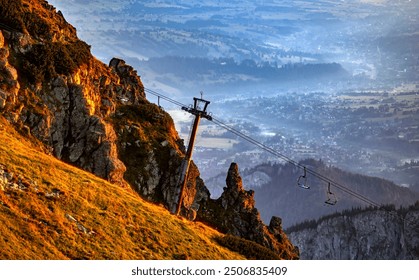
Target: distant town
[(369, 132)]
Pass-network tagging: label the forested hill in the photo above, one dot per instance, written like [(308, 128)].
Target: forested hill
[(279, 192)]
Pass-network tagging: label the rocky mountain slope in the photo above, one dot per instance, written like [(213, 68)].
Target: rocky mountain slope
[(354, 235), (96, 117)]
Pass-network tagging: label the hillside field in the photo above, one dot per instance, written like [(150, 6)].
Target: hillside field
[(51, 210)]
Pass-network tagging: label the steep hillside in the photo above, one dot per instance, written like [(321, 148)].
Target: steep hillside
[(96, 117), (369, 234), (277, 192), (86, 113), (51, 210)]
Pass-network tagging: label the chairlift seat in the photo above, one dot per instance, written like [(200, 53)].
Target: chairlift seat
[(331, 202), (331, 197), (303, 184)]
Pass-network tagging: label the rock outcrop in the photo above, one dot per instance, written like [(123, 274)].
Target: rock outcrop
[(235, 213), (367, 235)]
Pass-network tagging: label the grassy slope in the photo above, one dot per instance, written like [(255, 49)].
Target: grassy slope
[(118, 224)]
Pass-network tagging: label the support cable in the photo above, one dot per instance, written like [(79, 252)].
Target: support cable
[(152, 92)]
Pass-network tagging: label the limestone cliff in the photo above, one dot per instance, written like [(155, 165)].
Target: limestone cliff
[(369, 234)]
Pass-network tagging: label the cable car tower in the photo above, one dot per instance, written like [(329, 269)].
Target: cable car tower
[(199, 110)]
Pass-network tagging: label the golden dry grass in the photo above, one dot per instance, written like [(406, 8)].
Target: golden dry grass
[(66, 213)]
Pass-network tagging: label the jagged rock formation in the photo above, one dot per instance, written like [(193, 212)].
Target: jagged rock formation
[(370, 234), (235, 213)]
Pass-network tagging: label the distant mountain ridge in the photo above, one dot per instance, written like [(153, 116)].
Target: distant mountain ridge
[(250, 71), (276, 191)]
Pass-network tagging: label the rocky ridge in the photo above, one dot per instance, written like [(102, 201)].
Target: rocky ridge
[(97, 117)]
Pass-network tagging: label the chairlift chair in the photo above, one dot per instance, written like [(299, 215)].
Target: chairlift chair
[(331, 197), (302, 180)]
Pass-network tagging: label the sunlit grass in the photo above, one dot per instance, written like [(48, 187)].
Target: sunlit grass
[(67, 213)]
